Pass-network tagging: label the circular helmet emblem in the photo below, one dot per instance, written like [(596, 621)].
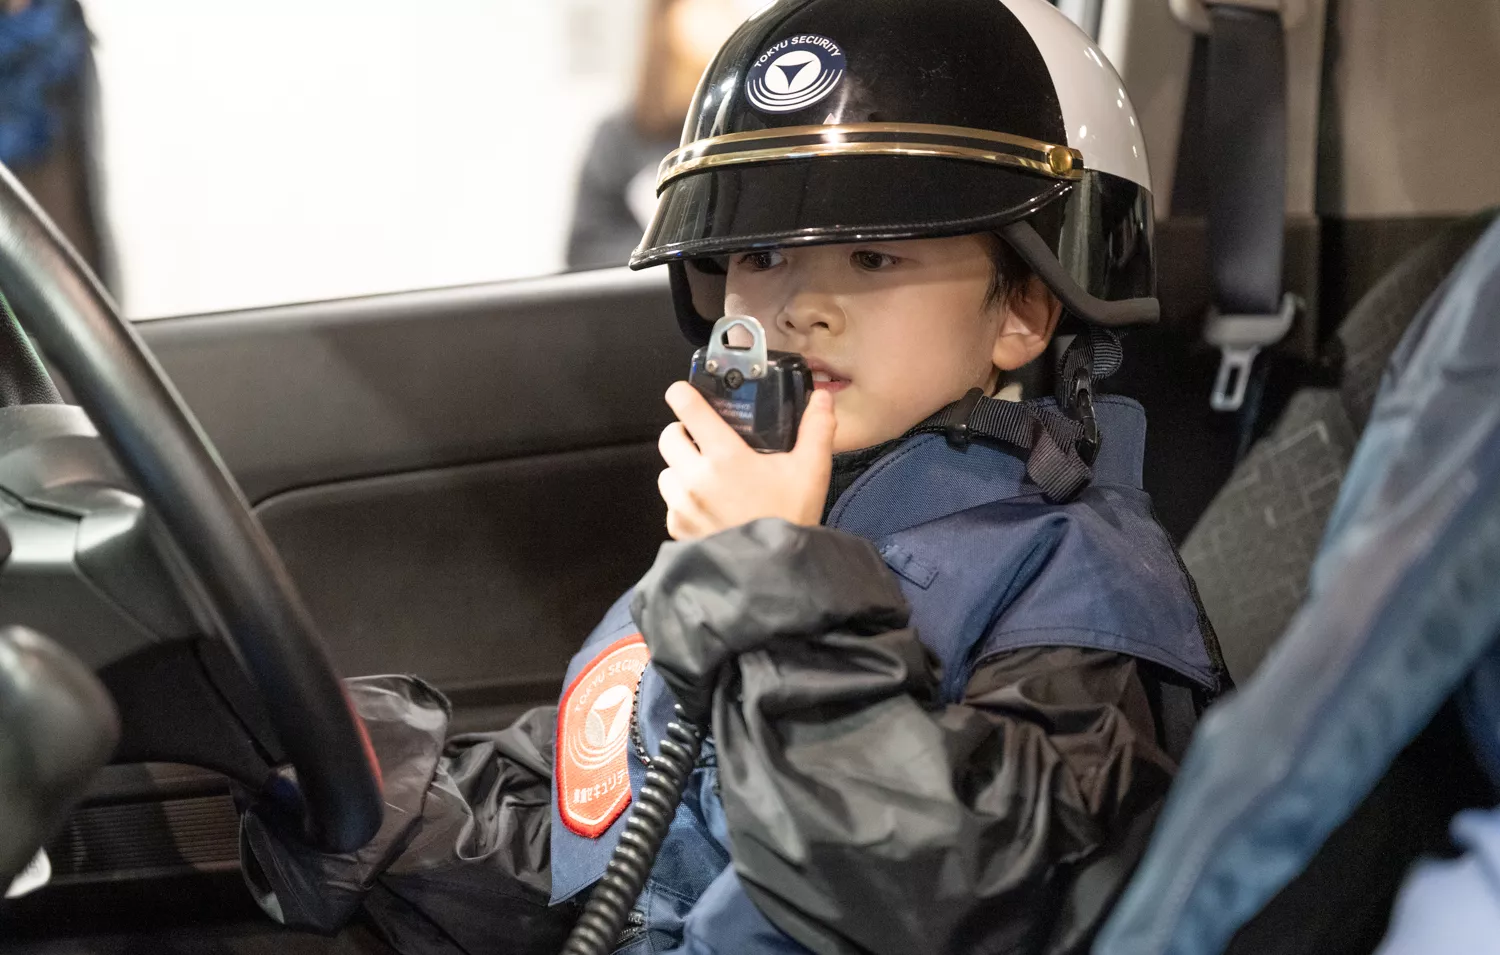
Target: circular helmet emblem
[(795, 73)]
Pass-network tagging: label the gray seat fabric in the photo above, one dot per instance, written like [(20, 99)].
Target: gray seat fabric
[(1251, 550)]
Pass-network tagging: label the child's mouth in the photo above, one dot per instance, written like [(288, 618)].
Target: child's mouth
[(824, 381)]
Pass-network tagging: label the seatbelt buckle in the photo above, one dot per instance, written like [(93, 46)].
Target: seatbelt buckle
[(1239, 339)]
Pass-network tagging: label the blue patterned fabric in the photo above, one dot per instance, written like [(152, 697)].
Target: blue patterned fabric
[(42, 48)]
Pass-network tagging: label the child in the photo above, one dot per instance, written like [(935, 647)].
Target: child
[(946, 654)]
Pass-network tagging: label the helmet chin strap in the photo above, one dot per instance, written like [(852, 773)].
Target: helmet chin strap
[(1059, 448), (1093, 355), (1052, 445)]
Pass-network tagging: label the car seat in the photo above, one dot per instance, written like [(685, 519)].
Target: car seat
[(1306, 796), (1250, 551)]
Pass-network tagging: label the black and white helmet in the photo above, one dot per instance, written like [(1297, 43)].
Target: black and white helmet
[(826, 121)]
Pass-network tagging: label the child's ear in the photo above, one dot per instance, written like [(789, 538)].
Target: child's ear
[(1029, 317)]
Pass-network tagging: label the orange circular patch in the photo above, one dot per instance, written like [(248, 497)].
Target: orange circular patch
[(593, 729)]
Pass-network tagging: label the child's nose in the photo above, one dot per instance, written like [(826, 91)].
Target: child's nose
[(808, 313)]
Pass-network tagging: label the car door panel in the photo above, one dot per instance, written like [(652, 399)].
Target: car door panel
[(481, 578), (301, 395), (460, 480)]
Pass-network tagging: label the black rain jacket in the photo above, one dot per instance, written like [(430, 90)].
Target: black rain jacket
[(864, 816)]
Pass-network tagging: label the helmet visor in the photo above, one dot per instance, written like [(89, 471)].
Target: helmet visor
[(845, 199), (1090, 238)]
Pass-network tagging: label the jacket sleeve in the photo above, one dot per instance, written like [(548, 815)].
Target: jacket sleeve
[(865, 815), (463, 851)]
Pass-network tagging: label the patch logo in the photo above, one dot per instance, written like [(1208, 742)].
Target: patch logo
[(593, 729), (795, 73)]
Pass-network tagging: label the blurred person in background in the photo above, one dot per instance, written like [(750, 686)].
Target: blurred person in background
[(617, 187), (47, 109)]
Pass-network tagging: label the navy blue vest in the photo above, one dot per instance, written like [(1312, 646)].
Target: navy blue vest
[(988, 565)]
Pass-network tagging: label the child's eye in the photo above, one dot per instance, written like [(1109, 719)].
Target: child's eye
[(872, 261), (761, 261)]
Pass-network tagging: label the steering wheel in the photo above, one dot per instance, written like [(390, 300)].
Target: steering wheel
[(160, 446)]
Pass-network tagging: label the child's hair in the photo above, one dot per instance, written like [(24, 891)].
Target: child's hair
[(1011, 271)]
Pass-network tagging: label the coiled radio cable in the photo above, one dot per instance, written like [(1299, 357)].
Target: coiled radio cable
[(646, 827)]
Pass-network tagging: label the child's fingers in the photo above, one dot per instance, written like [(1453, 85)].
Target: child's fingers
[(673, 494), (815, 434), (685, 517), (680, 528), (703, 423), (677, 449)]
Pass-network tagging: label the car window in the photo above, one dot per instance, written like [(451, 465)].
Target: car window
[(293, 150), (298, 150)]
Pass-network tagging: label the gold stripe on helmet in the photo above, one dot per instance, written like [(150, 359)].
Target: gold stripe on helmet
[(944, 142)]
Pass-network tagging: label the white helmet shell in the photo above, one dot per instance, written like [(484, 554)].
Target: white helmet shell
[(1099, 117)]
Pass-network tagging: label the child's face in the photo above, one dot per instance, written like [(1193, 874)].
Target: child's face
[(895, 330)]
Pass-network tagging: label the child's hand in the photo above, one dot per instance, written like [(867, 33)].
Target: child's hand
[(723, 482)]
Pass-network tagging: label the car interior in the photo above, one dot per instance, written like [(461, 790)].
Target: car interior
[(457, 482)]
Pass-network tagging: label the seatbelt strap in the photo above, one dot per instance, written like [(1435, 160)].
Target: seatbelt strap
[(1247, 189)]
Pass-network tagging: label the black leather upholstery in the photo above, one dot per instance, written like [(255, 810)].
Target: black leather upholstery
[(58, 726)]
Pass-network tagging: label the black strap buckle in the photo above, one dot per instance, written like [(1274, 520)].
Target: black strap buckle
[(957, 430), (1081, 409)]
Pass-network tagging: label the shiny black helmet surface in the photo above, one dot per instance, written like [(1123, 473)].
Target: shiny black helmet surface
[(826, 121)]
